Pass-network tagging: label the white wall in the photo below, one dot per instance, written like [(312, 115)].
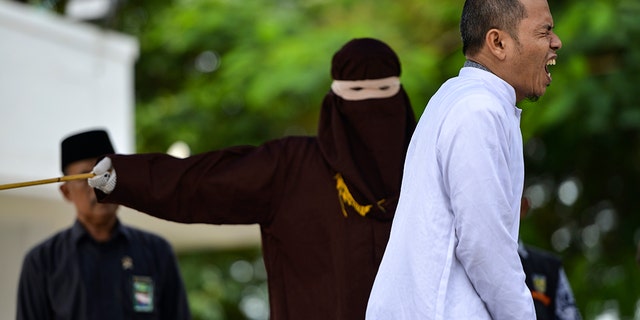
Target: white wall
[(57, 77)]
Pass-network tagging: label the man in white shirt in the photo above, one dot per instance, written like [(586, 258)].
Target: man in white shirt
[(453, 250)]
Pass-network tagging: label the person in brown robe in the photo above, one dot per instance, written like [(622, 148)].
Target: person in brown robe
[(324, 204)]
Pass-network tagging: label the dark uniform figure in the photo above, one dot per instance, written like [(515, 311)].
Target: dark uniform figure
[(98, 268), (545, 277)]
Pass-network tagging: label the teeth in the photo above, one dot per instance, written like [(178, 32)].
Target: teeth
[(551, 62)]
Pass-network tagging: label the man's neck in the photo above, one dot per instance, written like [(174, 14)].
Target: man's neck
[(100, 232)]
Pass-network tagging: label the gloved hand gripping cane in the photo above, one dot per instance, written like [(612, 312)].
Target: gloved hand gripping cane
[(103, 177)]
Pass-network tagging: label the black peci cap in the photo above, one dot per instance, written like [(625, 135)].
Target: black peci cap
[(84, 145)]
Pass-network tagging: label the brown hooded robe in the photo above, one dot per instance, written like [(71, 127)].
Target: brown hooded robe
[(320, 263)]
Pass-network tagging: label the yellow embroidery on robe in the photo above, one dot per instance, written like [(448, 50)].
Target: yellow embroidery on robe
[(345, 197)]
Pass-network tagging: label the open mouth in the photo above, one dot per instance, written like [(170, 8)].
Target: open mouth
[(550, 62)]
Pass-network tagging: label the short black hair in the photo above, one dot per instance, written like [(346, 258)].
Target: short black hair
[(480, 16)]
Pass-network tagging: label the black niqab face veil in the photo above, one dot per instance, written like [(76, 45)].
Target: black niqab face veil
[(365, 126)]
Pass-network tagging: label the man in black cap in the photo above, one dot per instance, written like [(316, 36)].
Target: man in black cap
[(98, 268)]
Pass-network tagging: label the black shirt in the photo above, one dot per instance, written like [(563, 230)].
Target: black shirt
[(71, 276)]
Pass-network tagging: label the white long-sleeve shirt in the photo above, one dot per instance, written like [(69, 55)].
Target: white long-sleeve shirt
[(453, 250)]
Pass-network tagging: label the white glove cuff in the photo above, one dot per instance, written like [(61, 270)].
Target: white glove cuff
[(105, 182), (111, 182), (105, 176)]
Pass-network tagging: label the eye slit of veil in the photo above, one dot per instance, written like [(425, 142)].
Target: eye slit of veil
[(354, 90)]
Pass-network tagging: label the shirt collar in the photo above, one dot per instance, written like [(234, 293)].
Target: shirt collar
[(473, 64), (78, 231), (473, 69)]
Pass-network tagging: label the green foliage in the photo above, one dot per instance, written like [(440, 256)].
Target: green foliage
[(227, 284), (219, 73), (585, 130)]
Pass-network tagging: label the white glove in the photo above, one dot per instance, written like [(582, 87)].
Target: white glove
[(105, 179)]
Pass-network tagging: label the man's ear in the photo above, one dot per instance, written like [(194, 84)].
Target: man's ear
[(64, 189), (496, 41)]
